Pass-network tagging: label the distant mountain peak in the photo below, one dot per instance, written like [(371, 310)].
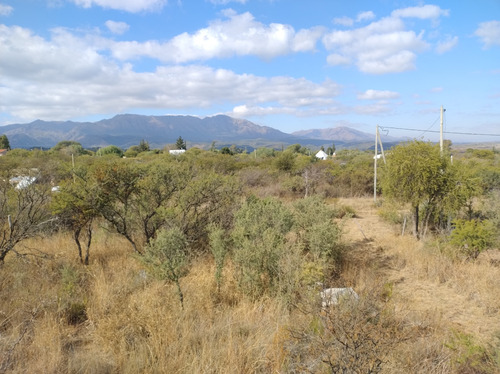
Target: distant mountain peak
[(125, 130), (345, 134)]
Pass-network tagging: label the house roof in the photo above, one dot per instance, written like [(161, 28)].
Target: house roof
[(321, 154)]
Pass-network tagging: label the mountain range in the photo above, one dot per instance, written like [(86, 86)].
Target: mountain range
[(125, 130)]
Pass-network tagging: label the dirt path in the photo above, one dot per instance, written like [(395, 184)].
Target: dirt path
[(427, 285)]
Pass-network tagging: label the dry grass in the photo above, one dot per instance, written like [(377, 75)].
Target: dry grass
[(133, 324), (433, 288), (57, 316)]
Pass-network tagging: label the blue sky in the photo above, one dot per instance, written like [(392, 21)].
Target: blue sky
[(288, 64)]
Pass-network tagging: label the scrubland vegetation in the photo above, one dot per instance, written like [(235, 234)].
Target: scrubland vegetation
[(212, 262)]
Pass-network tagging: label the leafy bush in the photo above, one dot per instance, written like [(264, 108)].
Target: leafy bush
[(391, 213), (259, 242), (219, 246), (166, 257), (469, 356), (315, 226), (472, 237), (110, 150), (285, 161)]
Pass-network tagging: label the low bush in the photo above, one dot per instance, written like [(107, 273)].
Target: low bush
[(472, 237)]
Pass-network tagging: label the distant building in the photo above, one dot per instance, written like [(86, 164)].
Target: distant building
[(22, 181), (322, 155), (176, 152), (3, 152)]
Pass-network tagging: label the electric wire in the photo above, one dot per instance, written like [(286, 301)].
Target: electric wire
[(436, 131)]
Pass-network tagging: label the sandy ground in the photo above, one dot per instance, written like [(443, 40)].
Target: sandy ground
[(429, 288)]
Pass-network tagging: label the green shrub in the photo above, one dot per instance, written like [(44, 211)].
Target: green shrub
[(469, 356), (314, 223), (391, 214), (166, 257), (472, 237), (259, 237)]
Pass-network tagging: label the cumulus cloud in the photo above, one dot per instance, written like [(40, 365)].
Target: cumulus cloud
[(447, 45), (343, 21), (5, 10), (245, 111), (336, 59), (132, 6), (238, 35), (347, 21), (387, 45), (117, 28), (381, 47), (65, 76), (422, 12), (365, 16), (379, 102), (489, 33), (225, 2), (378, 95)]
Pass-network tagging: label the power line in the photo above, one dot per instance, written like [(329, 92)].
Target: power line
[(446, 132)]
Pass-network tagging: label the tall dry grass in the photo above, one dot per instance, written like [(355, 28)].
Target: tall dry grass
[(132, 323), (57, 316)]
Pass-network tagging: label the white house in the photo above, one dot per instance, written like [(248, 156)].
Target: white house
[(22, 181), (176, 152), (322, 155)]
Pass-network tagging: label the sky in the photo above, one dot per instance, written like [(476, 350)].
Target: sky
[(288, 64)]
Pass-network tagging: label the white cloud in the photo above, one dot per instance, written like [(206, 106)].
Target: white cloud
[(343, 21), (335, 59), (378, 95), (347, 21), (66, 77), (117, 27), (245, 111), (239, 35), (5, 10), (225, 2), (379, 107), (447, 45), (132, 6), (489, 33), (422, 12), (381, 47), (436, 89), (365, 16)]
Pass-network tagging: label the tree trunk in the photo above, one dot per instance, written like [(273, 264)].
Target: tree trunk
[(415, 218), (89, 242), (179, 292), (76, 237)]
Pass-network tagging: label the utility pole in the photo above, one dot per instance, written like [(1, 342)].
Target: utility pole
[(441, 131), (375, 168), (73, 163)]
